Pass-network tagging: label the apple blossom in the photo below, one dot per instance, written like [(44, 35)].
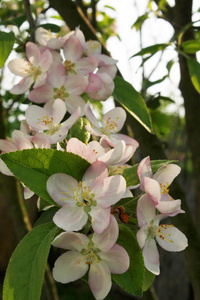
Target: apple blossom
[(33, 71), (48, 119), (93, 196), (167, 236), (60, 86), (156, 186), (99, 253)]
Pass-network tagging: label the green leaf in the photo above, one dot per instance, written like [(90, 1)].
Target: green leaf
[(161, 122), (7, 40), (191, 46), (17, 21), (194, 70), (132, 280), (34, 166), (25, 272), (132, 101), (140, 20), (51, 27), (78, 130), (130, 174), (147, 83), (46, 216), (148, 280), (151, 49)]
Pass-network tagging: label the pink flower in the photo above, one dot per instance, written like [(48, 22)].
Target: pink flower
[(99, 253), (60, 86), (51, 40), (112, 122), (167, 236), (48, 119), (156, 186), (33, 71), (93, 196)]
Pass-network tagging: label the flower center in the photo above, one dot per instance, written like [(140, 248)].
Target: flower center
[(69, 67), (110, 126), (60, 93), (35, 72), (83, 196), (53, 128), (91, 254), (164, 189), (159, 231), (117, 170)]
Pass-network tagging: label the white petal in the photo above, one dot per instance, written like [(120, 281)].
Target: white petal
[(4, 169), (106, 240), (70, 218), (22, 86), (55, 109), (144, 170), (19, 67), (170, 207), (99, 280), (152, 188), (69, 267), (77, 147), (167, 174), (174, 240), (35, 117), (117, 259), (142, 235), (145, 210), (33, 53), (95, 174), (100, 218), (116, 116), (151, 256), (60, 187), (71, 241)]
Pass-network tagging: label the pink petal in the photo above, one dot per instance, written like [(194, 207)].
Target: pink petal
[(145, 210), (113, 156), (142, 235), (56, 109), (70, 218), (46, 60), (34, 116), (116, 116), (100, 218), (72, 49), (76, 84), (70, 266), (144, 170), (170, 207), (174, 240), (86, 65), (117, 259), (151, 256), (19, 67), (40, 80), (95, 83), (60, 187), (33, 53), (77, 147), (73, 102), (22, 86), (21, 141), (40, 140), (90, 116), (72, 119), (106, 240), (4, 169), (152, 188), (113, 190), (95, 173), (7, 146), (167, 174), (71, 241), (41, 94), (99, 279)]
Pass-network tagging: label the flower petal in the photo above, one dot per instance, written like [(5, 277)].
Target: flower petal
[(33, 53), (174, 240), (100, 218), (117, 259), (99, 279), (167, 174), (22, 86), (145, 210), (77, 147), (152, 188), (71, 241), (144, 170), (70, 266), (70, 218), (106, 240), (95, 174), (151, 256)]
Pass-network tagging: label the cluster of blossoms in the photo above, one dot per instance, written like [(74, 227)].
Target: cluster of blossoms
[(62, 72)]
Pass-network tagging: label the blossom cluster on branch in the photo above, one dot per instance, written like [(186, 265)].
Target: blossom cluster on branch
[(66, 73)]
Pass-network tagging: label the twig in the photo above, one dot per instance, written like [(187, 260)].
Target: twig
[(30, 19)]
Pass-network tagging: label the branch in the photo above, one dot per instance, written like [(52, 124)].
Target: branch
[(30, 19)]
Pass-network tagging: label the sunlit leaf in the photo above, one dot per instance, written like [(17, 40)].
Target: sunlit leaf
[(7, 40), (191, 46), (194, 70), (151, 49)]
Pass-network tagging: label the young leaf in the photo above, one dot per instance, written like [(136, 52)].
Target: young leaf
[(25, 272), (132, 280), (7, 40), (78, 130), (34, 166), (139, 22), (191, 46), (194, 69), (132, 101), (130, 174), (148, 280), (151, 49), (46, 216)]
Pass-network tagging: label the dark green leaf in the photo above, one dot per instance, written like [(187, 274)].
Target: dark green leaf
[(34, 166), (191, 46), (25, 272), (46, 216), (147, 83), (130, 174), (132, 101), (194, 70), (139, 22), (161, 122), (7, 40), (132, 280), (151, 49), (51, 27), (148, 280), (17, 21), (78, 130)]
